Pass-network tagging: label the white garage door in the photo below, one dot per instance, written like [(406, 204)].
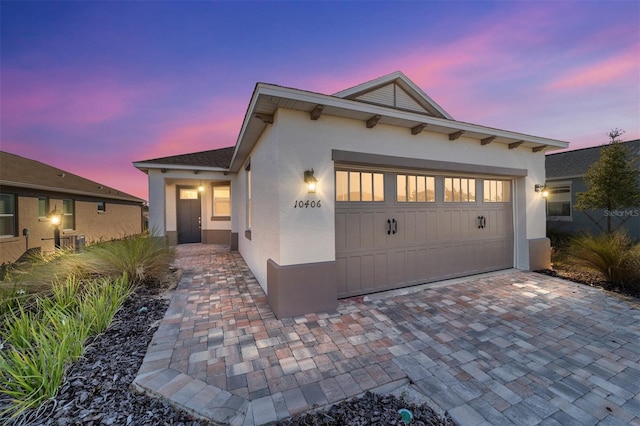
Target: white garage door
[(396, 229)]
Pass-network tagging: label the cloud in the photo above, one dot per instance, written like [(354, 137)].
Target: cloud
[(65, 99), (622, 67), (216, 125)]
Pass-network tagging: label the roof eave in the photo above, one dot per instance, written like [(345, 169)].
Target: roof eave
[(310, 100), (129, 198), (145, 167)]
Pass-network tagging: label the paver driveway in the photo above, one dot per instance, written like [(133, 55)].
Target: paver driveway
[(506, 348)]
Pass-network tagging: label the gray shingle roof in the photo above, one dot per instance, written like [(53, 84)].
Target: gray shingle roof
[(214, 158), (577, 162), (21, 172)]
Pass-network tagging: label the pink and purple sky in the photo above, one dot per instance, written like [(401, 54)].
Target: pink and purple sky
[(91, 87)]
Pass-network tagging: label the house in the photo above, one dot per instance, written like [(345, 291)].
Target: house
[(372, 188), (565, 179), (31, 190)]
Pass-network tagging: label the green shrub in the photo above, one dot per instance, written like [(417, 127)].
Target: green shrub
[(32, 374), (612, 255), (101, 302), (143, 259), (41, 342)]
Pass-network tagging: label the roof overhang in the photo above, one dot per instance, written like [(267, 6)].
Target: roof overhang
[(145, 167), (267, 98), (107, 196)]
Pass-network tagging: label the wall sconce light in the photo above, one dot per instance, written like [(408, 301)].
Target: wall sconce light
[(55, 216), (201, 187), (542, 189), (310, 180)]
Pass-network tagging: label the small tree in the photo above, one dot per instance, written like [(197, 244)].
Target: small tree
[(613, 182)]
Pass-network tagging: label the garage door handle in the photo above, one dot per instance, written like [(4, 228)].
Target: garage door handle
[(388, 226), (482, 222), (395, 226)]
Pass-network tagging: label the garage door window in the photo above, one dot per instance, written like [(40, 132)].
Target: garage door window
[(497, 191), (415, 189), (459, 190), (359, 186)]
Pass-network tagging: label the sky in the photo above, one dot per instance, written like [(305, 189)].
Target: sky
[(91, 87)]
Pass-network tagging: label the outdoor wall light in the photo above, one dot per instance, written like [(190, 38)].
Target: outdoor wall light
[(201, 188), (542, 190), (310, 180), (55, 216)]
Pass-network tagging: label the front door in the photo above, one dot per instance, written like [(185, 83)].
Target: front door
[(188, 215)]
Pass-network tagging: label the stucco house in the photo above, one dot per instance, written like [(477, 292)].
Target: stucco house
[(565, 179), (372, 188), (30, 190)]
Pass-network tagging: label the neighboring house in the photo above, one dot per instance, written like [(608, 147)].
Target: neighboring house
[(565, 179), (30, 190), (403, 194)]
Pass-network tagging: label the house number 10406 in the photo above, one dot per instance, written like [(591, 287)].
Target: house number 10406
[(301, 204)]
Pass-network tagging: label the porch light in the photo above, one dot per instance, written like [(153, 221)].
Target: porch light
[(201, 188), (310, 180), (542, 189), (55, 216)]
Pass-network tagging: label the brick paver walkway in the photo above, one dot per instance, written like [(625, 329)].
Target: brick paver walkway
[(506, 348)]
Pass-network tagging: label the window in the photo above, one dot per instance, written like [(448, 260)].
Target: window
[(415, 189), (68, 216), (359, 186), (7, 215), (497, 191), (221, 201), (102, 207), (459, 190), (249, 202), (189, 193), (559, 202), (43, 207)]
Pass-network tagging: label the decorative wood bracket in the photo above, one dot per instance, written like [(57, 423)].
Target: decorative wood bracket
[(514, 145), (316, 112), (418, 129), (487, 141), (266, 118), (373, 121), (538, 148), (456, 135)]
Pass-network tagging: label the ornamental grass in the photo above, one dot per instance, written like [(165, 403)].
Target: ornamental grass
[(40, 341), (615, 256)]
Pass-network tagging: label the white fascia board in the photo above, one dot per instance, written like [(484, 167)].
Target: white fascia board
[(385, 79), (369, 84), (147, 166), (316, 98), (245, 122)]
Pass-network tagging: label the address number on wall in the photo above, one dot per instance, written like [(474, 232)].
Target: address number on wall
[(301, 204)]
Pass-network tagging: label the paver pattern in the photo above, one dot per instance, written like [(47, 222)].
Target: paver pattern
[(498, 349)]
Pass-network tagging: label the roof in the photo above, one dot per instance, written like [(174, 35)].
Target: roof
[(21, 172), (374, 102), (397, 86), (576, 163), (215, 159)]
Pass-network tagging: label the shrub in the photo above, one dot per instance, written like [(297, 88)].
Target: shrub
[(612, 255), (41, 342), (143, 259)]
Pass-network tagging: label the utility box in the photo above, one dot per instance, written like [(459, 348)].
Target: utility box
[(80, 241)]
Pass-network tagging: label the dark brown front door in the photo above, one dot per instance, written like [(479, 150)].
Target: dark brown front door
[(188, 215)]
